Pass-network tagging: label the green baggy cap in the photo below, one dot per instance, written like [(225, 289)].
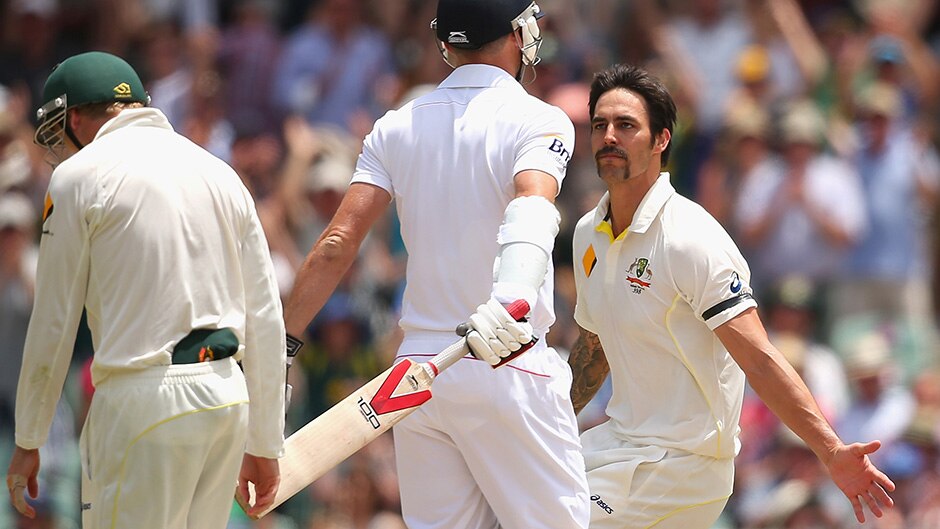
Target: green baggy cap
[(94, 77)]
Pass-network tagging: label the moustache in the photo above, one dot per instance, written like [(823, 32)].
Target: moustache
[(610, 149)]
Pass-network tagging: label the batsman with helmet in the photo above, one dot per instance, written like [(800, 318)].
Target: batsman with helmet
[(473, 168)]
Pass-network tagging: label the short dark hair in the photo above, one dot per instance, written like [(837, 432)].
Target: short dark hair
[(659, 103)]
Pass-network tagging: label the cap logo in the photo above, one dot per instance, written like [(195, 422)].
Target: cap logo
[(122, 90), (458, 37)]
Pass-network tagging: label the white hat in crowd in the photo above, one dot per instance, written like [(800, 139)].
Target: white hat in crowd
[(16, 211)]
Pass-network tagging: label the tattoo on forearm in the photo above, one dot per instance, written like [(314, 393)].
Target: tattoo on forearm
[(589, 368)]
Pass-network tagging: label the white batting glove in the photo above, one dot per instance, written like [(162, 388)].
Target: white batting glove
[(495, 334)]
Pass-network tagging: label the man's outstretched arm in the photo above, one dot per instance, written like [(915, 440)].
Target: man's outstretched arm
[(785, 393)]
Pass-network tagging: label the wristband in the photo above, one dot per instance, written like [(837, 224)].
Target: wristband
[(293, 346)]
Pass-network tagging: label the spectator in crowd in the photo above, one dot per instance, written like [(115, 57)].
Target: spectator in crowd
[(713, 36), (247, 58), (802, 213), (793, 311), (36, 45), (888, 271), (331, 68), (17, 276), (899, 57), (787, 488), (18, 252), (170, 79), (15, 169), (256, 156), (920, 487), (742, 149), (881, 405)]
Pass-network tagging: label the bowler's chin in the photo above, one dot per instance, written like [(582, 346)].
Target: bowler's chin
[(613, 173)]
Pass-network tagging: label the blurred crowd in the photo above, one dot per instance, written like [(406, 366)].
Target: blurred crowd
[(808, 128)]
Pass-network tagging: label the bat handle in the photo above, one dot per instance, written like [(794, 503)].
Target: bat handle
[(449, 356), (518, 309)]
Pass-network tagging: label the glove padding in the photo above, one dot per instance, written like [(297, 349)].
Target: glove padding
[(495, 334)]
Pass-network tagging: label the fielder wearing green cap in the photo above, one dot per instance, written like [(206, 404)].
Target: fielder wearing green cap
[(94, 83), (160, 243)]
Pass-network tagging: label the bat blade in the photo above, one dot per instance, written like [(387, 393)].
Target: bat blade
[(358, 419), (352, 423)]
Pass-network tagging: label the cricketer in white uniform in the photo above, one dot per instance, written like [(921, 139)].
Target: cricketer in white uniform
[(664, 306), (159, 241), (473, 168)]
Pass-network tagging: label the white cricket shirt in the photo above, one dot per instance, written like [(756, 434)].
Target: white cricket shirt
[(653, 295), (448, 159), (155, 237)]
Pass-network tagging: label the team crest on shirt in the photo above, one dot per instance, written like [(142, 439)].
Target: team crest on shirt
[(639, 275)]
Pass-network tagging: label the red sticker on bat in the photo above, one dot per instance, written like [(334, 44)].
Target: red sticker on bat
[(384, 402)]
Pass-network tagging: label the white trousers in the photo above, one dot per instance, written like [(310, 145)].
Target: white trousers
[(161, 448), (644, 487), (492, 448)]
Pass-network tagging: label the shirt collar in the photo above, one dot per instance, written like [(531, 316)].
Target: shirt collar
[(649, 208), (135, 117), (479, 76)]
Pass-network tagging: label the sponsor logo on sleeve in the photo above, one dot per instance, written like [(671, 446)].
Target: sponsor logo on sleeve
[(47, 208), (738, 286), (558, 148)]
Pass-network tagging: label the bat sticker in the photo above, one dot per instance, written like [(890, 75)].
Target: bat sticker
[(385, 402)]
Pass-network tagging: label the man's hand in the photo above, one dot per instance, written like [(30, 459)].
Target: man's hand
[(22, 478), (495, 334), (265, 475), (860, 481)]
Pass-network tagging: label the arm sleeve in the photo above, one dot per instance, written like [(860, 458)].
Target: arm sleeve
[(710, 273), (546, 144), (265, 360), (69, 215), (369, 167)]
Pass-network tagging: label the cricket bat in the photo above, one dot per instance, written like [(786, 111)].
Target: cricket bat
[(357, 420)]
